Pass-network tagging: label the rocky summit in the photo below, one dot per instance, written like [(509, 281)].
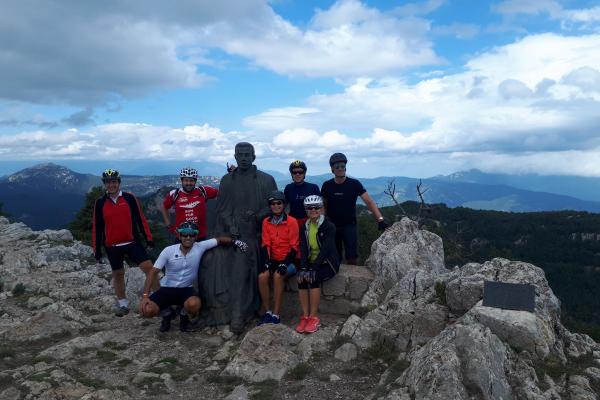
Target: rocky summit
[(403, 327)]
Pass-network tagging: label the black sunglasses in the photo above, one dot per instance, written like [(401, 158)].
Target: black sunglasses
[(184, 235), (313, 207), (298, 172), (276, 203)]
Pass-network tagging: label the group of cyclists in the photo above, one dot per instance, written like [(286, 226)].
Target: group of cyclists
[(304, 237)]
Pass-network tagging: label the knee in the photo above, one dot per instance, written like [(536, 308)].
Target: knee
[(263, 277), (192, 304), (146, 266), (119, 273), (150, 310)]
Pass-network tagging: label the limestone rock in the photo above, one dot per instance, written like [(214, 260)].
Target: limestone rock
[(316, 342), (134, 286), (266, 352), (240, 392), (403, 247), (35, 303), (410, 313), (40, 326), (463, 362), (11, 393), (350, 326), (106, 394), (66, 350), (346, 352), (520, 329), (579, 388)]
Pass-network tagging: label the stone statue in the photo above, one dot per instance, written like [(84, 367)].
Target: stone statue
[(228, 279)]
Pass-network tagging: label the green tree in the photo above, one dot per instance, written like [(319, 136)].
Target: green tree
[(81, 226), (2, 213)]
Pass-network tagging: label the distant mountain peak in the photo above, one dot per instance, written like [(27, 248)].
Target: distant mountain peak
[(469, 175), (47, 175)]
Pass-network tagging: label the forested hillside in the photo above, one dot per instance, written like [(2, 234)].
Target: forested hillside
[(565, 244)]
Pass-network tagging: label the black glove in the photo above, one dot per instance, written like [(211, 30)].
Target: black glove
[(301, 275), (150, 244), (382, 225), (241, 245), (282, 269)]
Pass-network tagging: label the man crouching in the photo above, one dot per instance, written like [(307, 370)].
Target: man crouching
[(181, 262)]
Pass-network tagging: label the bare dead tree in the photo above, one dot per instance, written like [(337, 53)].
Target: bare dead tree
[(391, 191), (422, 206)]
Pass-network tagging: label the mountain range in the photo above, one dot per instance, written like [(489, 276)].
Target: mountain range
[(49, 195)]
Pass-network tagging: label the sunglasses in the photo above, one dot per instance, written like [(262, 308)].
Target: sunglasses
[(313, 207), (276, 203), (187, 233), (299, 172), (339, 166)]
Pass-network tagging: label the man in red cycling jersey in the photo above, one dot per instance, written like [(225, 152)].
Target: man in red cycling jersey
[(189, 202), (119, 225)]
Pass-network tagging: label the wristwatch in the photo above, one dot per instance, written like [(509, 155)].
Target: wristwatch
[(379, 219)]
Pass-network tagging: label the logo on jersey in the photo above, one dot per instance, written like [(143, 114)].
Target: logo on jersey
[(191, 205)]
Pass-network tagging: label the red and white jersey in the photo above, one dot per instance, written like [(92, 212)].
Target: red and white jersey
[(191, 207)]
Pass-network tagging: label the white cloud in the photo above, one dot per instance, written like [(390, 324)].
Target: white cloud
[(583, 18), (585, 78), (460, 31), (537, 95), (88, 54), (335, 43), (122, 141), (513, 88), (422, 8)]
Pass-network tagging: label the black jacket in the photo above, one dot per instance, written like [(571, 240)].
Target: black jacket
[(327, 249)]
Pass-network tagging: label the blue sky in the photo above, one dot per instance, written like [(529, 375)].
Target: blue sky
[(403, 88)]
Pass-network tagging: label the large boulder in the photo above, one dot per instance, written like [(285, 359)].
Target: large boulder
[(411, 314), (535, 332), (400, 249), (403, 247), (463, 362), (266, 352)]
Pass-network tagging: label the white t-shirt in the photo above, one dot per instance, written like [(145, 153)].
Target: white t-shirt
[(182, 270)]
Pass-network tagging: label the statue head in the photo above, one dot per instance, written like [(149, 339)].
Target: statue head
[(244, 155)]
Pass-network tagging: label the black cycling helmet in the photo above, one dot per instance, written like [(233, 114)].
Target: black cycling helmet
[(110, 174), (188, 227), (276, 195), (336, 158), (297, 164)]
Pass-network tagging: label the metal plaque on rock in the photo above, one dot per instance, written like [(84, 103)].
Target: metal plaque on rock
[(511, 296)]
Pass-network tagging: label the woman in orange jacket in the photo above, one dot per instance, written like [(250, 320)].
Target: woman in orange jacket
[(280, 247)]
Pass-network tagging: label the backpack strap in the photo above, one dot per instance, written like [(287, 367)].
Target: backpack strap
[(203, 191)]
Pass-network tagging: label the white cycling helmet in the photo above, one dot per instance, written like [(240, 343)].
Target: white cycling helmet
[(188, 172), (313, 200)]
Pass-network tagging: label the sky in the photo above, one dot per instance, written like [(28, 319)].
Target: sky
[(402, 88)]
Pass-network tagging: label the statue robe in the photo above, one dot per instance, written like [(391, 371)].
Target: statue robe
[(227, 278)]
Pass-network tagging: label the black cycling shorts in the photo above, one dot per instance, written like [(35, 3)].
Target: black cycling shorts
[(134, 251), (172, 296)]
